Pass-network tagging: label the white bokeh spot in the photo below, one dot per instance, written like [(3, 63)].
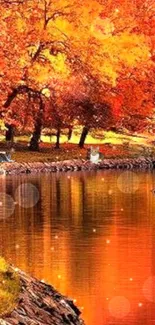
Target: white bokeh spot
[(2, 172), (149, 289), (7, 206), (119, 307), (27, 195), (128, 182)]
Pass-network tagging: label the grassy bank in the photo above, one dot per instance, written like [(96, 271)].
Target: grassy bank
[(48, 153), (9, 288), (112, 146)]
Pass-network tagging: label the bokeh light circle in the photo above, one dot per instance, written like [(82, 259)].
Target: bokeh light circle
[(2, 172), (7, 206), (128, 182), (119, 307), (27, 195), (149, 289)]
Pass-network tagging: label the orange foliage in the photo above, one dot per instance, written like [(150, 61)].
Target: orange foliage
[(80, 51)]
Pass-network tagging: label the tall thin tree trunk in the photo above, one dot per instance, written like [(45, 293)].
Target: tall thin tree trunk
[(70, 133), (58, 138), (83, 136), (9, 135), (34, 143)]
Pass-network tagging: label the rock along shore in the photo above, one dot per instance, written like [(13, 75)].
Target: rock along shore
[(16, 168), (41, 304)]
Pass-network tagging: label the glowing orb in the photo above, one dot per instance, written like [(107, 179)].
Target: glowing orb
[(119, 307), (27, 195), (2, 172), (149, 289), (7, 206), (128, 182)]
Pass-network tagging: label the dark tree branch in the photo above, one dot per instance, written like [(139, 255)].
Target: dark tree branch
[(55, 15), (12, 2), (21, 90)]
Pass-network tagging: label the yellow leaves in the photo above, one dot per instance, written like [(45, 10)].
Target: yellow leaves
[(6, 14), (20, 25), (22, 62), (134, 49), (104, 69), (89, 11), (108, 73), (32, 49), (102, 27), (46, 92), (2, 127), (95, 33), (57, 62), (3, 264), (43, 72), (62, 25), (114, 54), (40, 73)]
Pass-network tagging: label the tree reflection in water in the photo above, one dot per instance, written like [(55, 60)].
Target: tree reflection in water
[(89, 239)]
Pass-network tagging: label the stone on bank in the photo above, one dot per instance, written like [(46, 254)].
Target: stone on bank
[(40, 304)]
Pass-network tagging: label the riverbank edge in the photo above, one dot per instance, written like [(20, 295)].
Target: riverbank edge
[(40, 303), (16, 168)]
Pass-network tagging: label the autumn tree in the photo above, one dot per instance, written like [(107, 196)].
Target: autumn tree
[(42, 50), (35, 62)]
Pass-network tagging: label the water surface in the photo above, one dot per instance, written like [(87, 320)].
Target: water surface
[(90, 235)]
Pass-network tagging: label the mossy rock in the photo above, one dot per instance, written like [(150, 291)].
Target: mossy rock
[(9, 288)]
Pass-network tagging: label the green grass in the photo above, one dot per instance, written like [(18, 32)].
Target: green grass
[(9, 288)]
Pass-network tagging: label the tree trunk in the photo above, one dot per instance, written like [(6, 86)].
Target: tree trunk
[(58, 139), (83, 136), (70, 133), (34, 143), (9, 132)]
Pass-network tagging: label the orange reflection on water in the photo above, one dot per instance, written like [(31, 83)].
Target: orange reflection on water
[(91, 244)]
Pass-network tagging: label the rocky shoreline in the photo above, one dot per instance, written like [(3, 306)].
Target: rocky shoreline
[(16, 168), (41, 304)]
